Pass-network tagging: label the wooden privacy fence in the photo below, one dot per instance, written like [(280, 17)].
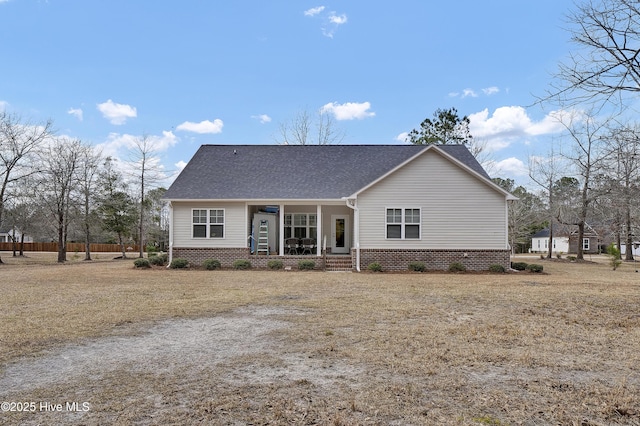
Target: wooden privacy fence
[(71, 247)]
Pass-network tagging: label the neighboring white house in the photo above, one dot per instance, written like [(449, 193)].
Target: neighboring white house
[(635, 249), (391, 204), (559, 242), (8, 235)]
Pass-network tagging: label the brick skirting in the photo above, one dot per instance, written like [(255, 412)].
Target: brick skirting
[(226, 257), (435, 260), (391, 260)]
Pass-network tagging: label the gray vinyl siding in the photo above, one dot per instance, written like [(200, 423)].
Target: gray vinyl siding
[(458, 210), (235, 235)]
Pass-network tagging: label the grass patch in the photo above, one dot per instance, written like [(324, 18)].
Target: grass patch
[(348, 349)]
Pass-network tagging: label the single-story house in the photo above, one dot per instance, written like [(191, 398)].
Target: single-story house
[(635, 248), (355, 204), (8, 235), (559, 242), (565, 240), (590, 241)]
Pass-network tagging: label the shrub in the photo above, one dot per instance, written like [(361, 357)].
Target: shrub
[(241, 264), (275, 264), (150, 249), (533, 267), (141, 263), (159, 259), (179, 263), (614, 256), (496, 269), (457, 267), (375, 267), (559, 255), (211, 264), (306, 264), (417, 267), (571, 258), (519, 266)]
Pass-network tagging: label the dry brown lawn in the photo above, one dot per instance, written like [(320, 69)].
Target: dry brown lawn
[(260, 347)]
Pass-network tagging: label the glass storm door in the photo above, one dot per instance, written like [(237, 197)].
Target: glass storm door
[(339, 234)]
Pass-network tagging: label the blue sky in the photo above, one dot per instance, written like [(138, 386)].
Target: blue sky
[(194, 72)]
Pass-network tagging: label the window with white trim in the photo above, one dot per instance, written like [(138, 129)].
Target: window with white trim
[(300, 225), (403, 224), (585, 244), (207, 223)]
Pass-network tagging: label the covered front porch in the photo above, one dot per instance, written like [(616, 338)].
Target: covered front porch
[(299, 229)]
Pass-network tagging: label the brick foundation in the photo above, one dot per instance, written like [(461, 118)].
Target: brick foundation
[(391, 260), (227, 256), (436, 260)]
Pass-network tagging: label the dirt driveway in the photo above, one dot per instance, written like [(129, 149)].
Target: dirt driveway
[(202, 352)]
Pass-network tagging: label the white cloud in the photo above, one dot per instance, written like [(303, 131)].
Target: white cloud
[(469, 93), (117, 113), (313, 11), (338, 20), (262, 118), (509, 124), (3, 105), (348, 111), (180, 165), (511, 166), (403, 137), (117, 144), (331, 20), (206, 126), (490, 90), (76, 112)]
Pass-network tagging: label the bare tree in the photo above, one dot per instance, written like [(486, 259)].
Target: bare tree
[(24, 209), (87, 177), (587, 155), (523, 213), (308, 129), (18, 141), (623, 167), (59, 165), (544, 171), (143, 156), (607, 63)]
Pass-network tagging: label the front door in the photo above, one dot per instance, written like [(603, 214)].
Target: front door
[(339, 234)]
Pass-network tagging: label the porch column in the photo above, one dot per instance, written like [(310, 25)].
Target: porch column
[(281, 230), (319, 230)]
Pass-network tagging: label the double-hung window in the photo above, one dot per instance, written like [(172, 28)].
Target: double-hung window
[(300, 225), (585, 244), (403, 224), (207, 223)]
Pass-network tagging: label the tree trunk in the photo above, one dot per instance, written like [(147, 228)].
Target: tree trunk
[(124, 252), (580, 251), (62, 249), (87, 242), (22, 245)]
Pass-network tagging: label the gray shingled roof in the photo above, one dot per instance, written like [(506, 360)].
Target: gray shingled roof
[(293, 171)]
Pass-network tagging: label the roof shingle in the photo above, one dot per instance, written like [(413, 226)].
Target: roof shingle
[(294, 171)]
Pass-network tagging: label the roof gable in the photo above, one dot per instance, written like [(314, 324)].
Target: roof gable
[(300, 172)]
